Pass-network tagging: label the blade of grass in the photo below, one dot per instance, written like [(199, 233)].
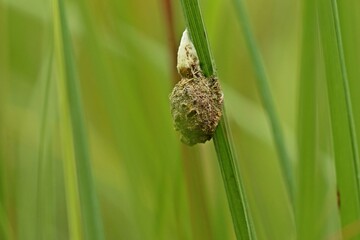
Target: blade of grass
[(69, 168), (345, 81), (3, 217), (233, 185), (307, 211), (350, 20), (70, 90), (3, 222), (70, 182), (194, 182), (45, 195), (346, 87), (342, 123), (222, 140), (267, 99), (3, 63)]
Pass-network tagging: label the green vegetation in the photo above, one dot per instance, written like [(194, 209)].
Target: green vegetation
[(87, 145), (222, 138)]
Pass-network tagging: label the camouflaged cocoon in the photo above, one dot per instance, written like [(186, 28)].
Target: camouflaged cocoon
[(196, 101)]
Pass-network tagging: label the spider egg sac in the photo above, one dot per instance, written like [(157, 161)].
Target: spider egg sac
[(196, 101)]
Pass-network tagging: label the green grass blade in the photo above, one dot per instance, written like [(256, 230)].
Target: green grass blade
[(90, 210), (3, 60), (232, 181), (45, 175), (222, 141), (345, 81), (307, 211), (193, 171), (267, 100), (3, 216), (350, 20), (70, 180), (3, 94), (343, 132)]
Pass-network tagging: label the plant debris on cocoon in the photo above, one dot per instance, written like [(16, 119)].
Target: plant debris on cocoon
[(196, 101)]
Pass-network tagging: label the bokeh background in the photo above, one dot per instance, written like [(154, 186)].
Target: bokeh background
[(149, 185)]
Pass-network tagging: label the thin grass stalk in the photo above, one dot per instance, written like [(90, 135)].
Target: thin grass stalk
[(42, 181), (349, 18), (90, 212), (193, 173), (234, 187), (222, 140), (345, 80), (3, 60), (267, 99), (5, 226), (345, 151), (3, 216), (70, 179), (307, 212)]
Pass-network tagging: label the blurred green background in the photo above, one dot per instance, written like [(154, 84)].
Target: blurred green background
[(149, 185)]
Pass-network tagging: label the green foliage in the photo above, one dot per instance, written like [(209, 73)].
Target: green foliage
[(71, 112), (341, 114), (222, 139), (107, 163), (266, 97)]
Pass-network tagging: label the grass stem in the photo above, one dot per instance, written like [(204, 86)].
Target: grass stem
[(222, 140), (73, 111), (266, 97)]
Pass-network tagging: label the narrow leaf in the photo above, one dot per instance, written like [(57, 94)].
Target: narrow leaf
[(69, 88), (222, 141), (266, 97), (342, 123)]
